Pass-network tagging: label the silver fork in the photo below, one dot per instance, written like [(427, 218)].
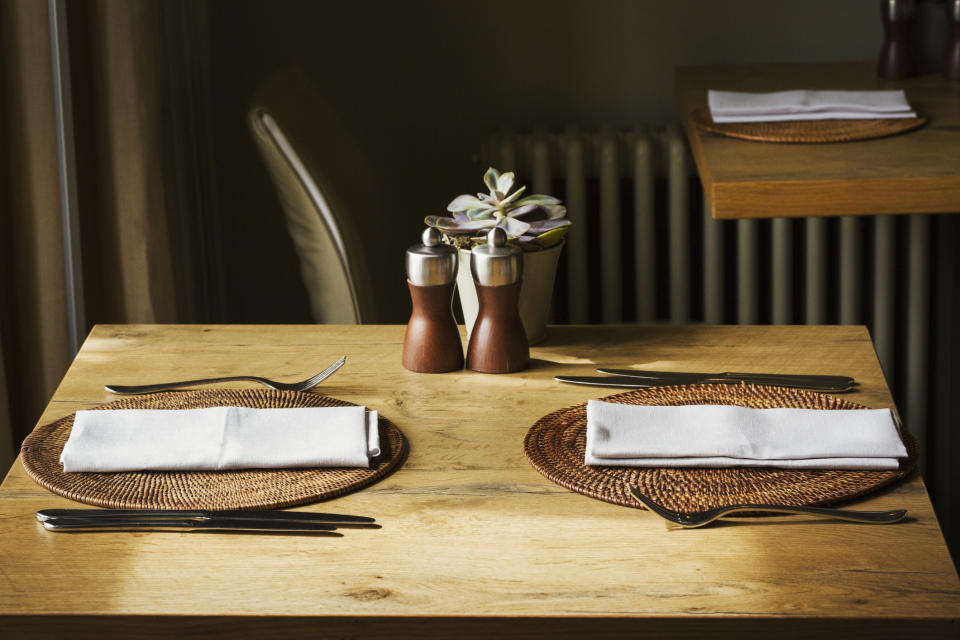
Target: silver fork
[(700, 518), (303, 385)]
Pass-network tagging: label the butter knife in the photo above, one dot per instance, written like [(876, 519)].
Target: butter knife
[(630, 382), (224, 524), (237, 515), (694, 378)]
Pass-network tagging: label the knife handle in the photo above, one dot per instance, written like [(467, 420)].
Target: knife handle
[(187, 526)]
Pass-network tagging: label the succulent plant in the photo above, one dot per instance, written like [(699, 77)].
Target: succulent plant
[(537, 221)]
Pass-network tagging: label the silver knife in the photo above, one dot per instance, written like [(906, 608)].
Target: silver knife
[(630, 382), (190, 526), (203, 514), (694, 378)]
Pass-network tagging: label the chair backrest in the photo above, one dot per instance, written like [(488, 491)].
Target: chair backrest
[(324, 190)]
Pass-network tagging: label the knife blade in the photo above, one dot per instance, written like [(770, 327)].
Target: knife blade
[(630, 382), (204, 514), (825, 380), (190, 526)]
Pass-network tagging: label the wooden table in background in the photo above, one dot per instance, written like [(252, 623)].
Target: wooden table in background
[(916, 172), (476, 543)]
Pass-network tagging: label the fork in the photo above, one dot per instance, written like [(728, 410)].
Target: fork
[(700, 518), (303, 385)]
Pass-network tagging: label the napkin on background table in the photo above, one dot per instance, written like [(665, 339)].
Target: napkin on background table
[(221, 438), (802, 104), (729, 436)]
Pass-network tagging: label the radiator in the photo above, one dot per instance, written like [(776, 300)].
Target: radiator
[(643, 231)]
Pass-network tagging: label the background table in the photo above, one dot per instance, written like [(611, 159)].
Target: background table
[(916, 172), (474, 541)]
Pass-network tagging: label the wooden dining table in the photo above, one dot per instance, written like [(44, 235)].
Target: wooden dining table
[(475, 542)]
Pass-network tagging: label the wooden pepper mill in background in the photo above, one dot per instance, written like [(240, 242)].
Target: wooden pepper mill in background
[(951, 66), (498, 343), (432, 341), (896, 57)]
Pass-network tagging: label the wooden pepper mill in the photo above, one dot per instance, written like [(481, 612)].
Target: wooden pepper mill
[(498, 343), (896, 57), (432, 341)]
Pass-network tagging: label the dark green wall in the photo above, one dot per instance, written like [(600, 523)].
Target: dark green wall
[(421, 83)]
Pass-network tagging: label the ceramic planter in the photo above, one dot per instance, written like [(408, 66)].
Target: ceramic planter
[(536, 291)]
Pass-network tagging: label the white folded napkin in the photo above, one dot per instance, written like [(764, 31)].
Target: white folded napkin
[(802, 104), (221, 438), (728, 436)]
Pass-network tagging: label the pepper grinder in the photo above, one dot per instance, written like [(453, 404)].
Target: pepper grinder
[(951, 66), (498, 343), (432, 341), (896, 57)]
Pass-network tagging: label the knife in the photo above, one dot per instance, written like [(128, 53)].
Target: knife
[(224, 524), (631, 382), (341, 520), (694, 378)]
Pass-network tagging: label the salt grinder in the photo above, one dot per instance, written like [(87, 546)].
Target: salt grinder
[(896, 56), (498, 343), (432, 342)]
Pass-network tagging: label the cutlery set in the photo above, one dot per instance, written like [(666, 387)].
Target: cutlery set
[(303, 385), (327, 524), (83, 520), (636, 379), (694, 519)]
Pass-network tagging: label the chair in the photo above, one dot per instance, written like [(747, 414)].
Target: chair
[(324, 189)]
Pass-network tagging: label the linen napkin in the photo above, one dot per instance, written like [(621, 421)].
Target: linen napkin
[(802, 104), (727, 436), (221, 438)]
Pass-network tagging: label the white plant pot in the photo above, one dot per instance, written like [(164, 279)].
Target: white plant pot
[(536, 290)]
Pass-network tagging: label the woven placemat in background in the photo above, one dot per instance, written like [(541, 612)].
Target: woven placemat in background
[(555, 445), (246, 489), (806, 131)]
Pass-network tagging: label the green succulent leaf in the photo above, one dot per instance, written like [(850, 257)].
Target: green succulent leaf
[(514, 228), (551, 238), (513, 196), (538, 199), (451, 225), (490, 178), (519, 212), (481, 213), (464, 202), (505, 182)]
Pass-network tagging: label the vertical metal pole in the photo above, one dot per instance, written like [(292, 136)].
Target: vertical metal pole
[(577, 259), (541, 163), (816, 270), (747, 297), (541, 184), (782, 270), (610, 263), (507, 152), (918, 318), (645, 241), (712, 266), (850, 276), (884, 267), (677, 177), (66, 165)]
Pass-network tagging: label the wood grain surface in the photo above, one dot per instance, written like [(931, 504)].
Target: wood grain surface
[(916, 172), (474, 541)]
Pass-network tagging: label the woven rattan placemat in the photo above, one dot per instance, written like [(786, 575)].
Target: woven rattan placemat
[(807, 131), (556, 445), (253, 489)]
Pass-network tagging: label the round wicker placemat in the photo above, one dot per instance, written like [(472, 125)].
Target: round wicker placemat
[(556, 445), (807, 131), (253, 489)]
